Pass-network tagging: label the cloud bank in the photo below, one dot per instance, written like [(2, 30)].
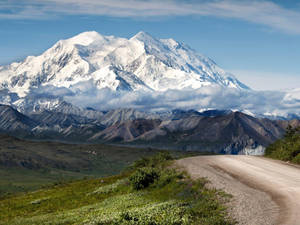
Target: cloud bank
[(256, 103), (277, 103), (265, 13)]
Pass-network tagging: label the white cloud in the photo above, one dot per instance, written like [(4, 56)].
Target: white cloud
[(261, 12), (85, 94), (258, 102)]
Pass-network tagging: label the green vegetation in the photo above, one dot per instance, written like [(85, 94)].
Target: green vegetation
[(287, 148), (28, 165), (149, 192), (143, 177)]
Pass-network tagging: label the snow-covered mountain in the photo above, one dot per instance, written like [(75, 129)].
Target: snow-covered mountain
[(139, 63), (108, 89), (107, 72)]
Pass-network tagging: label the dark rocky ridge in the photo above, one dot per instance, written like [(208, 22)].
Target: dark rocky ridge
[(213, 131), (228, 133)]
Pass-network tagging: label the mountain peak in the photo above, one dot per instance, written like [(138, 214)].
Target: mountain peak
[(86, 38), (143, 36), (92, 60)]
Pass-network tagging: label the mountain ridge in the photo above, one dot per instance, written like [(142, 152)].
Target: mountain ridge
[(141, 62), (212, 131)]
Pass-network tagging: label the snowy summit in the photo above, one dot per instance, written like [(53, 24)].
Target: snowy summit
[(139, 63)]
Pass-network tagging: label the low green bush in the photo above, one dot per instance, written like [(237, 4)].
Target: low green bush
[(296, 159), (143, 177), (286, 148), (153, 161), (167, 176)]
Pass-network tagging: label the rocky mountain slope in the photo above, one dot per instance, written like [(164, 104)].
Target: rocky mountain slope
[(212, 131), (12, 121), (229, 133)]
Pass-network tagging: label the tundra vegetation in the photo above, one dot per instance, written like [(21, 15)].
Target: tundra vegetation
[(286, 148), (150, 191)]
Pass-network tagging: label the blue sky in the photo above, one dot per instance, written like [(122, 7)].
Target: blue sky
[(259, 41)]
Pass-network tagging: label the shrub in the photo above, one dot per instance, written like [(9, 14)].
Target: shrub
[(297, 159), (143, 162), (167, 176), (287, 148), (143, 177), (162, 157), (153, 161)]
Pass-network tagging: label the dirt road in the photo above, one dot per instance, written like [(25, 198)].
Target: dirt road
[(265, 191)]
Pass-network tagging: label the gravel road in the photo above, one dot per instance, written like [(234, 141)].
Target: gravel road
[(265, 191)]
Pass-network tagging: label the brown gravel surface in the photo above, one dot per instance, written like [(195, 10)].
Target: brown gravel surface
[(265, 191)]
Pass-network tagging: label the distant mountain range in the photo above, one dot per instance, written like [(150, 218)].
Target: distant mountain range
[(211, 131)]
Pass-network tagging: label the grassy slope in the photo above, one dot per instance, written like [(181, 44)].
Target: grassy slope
[(172, 198), (287, 148), (27, 165)]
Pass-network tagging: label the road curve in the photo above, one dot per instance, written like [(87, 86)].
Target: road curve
[(264, 191)]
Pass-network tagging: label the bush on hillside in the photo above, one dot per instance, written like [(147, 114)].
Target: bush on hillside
[(152, 161), (287, 148), (297, 159), (143, 177)]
